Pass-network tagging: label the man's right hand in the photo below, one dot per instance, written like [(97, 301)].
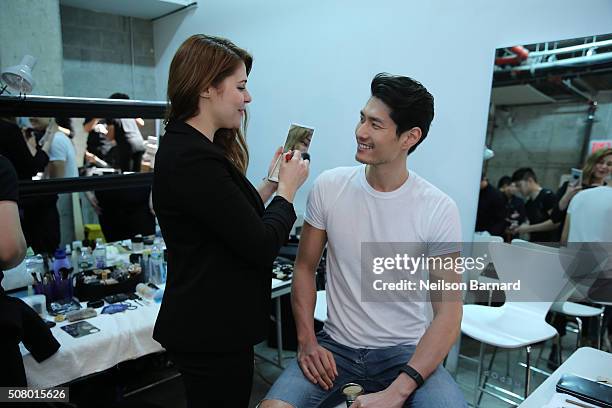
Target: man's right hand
[(317, 364)]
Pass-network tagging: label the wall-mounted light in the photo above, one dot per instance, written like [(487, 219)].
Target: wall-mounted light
[(19, 77)]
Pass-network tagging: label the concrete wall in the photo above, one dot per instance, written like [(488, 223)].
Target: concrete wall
[(80, 53), (547, 138), (106, 53), (314, 62), (33, 27)]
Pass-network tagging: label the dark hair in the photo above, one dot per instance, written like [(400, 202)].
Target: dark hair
[(119, 95), (200, 62), (66, 123), (410, 103), (504, 181), (524, 173)]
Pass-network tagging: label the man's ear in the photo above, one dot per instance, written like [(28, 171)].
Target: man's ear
[(410, 137)]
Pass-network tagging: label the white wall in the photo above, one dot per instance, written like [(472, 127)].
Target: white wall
[(314, 61)]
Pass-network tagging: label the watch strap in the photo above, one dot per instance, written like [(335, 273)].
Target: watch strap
[(412, 373)]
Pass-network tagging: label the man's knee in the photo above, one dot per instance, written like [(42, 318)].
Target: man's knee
[(274, 404)]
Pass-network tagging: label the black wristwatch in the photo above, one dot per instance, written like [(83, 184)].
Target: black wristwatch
[(412, 373)]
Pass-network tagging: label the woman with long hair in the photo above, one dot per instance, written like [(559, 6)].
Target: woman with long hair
[(595, 171), (220, 237)]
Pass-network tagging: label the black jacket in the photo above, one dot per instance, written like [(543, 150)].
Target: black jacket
[(13, 147), (491, 215), (221, 244)]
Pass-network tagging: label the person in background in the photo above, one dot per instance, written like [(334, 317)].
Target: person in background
[(588, 221), (491, 215), (62, 164), (596, 169), (124, 213), (29, 157), (98, 145), (515, 206), (126, 135), (21, 148), (62, 155), (214, 223), (539, 206), (18, 322)]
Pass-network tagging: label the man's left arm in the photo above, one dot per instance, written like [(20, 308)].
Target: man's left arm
[(433, 346)]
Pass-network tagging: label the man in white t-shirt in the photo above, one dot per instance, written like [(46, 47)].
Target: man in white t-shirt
[(62, 160), (589, 215), (393, 349), (587, 227), (62, 156), (62, 164)]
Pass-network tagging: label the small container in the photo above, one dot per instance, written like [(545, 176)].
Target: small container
[(86, 259), (351, 391), (61, 262), (145, 291), (100, 254), (38, 303), (137, 243)]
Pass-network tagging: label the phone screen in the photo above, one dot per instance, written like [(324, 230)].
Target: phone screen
[(575, 178), (299, 138)]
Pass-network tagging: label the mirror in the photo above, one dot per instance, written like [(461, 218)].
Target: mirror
[(550, 121), (67, 153)]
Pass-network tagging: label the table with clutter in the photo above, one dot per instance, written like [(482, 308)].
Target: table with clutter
[(586, 362), (101, 342)]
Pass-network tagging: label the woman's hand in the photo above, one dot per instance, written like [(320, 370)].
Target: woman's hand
[(267, 188), (277, 154), (567, 197), (293, 173), (90, 157)]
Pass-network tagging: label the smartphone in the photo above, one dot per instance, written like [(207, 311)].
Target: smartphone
[(575, 179), (586, 390), (299, 138)]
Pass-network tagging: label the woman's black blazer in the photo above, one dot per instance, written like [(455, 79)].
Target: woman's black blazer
[(221, 244)]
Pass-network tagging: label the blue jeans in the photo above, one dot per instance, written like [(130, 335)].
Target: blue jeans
[(374, 369)]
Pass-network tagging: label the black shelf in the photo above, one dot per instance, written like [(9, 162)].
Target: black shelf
[(54, 106), (75, 184)]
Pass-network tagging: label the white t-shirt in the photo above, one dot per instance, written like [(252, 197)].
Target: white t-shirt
[(351, 212), (62, 149), (591, 215)]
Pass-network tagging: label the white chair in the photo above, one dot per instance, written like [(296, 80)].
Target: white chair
[(518, 323), (563, 306), (480, 249)]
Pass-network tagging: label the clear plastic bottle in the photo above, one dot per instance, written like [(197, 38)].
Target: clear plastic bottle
[(85, 259), (100, 254), (34, 267), (137, 244), (75, 255), (156, 262)]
